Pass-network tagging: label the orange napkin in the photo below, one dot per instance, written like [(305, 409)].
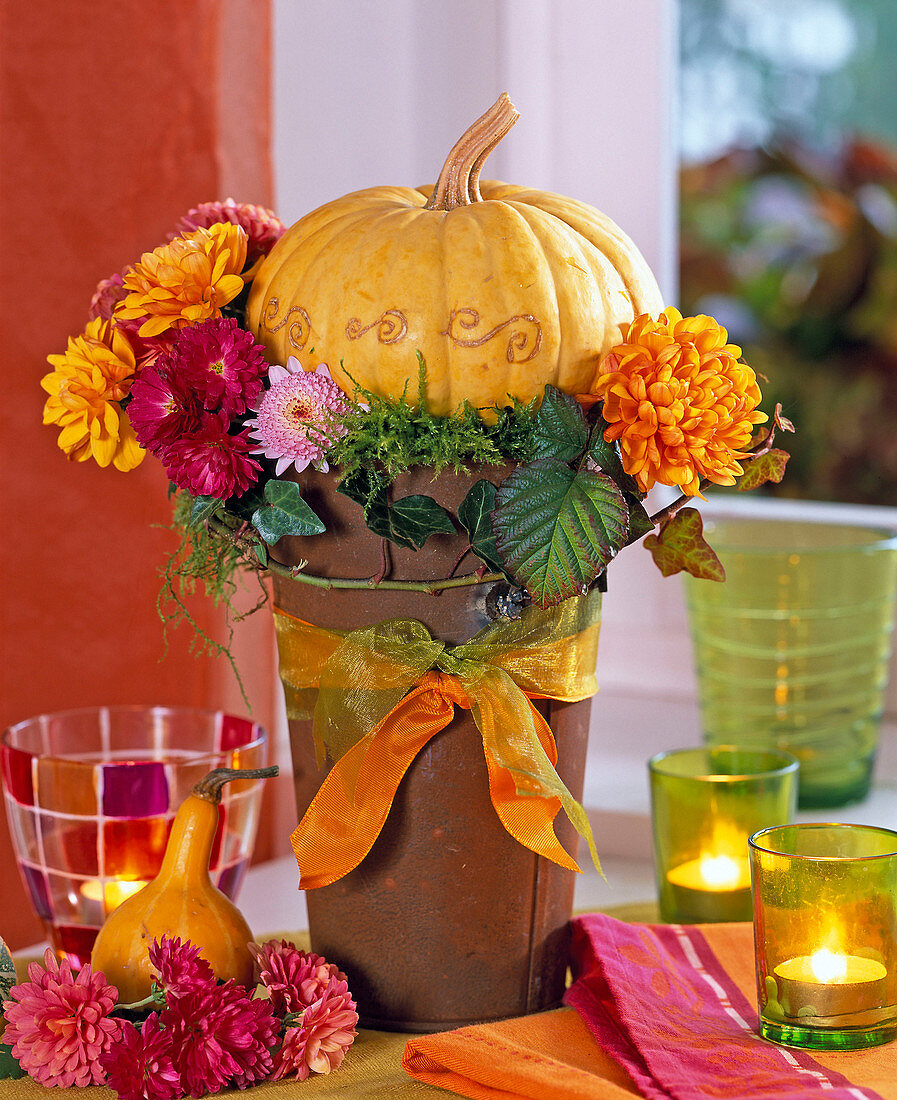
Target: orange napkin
[(671, 1011)]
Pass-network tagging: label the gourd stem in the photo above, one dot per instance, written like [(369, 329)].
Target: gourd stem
[(209, 787), (458, 183)]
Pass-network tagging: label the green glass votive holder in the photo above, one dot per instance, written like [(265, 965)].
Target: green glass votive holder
[(705, 803), (825, 934)]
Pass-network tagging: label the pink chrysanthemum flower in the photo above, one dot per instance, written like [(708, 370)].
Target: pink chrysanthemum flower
[(294, 419), (318, 1043), (162, 408), (180, 967), (294, 979), (108, 293), (220, 1036), (138, 1065), (210, 461), (263, 228), (222, 363), (58, 1025)]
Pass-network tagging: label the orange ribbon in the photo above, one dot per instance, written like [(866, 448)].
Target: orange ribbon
[(397, 667)]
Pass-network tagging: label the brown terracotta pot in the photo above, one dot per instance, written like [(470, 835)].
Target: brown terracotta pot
[(448, 920)]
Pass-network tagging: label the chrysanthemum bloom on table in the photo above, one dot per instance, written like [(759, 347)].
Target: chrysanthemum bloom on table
[(186, 281), (211, 461), (138, 1064), (179, 966), (322, 1036), (263, 227), (89, 381), (294, 420), (58, 1025), (293, 978), (679, 401), (220, 1037)]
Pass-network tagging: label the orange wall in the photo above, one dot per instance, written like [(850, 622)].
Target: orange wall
[(116, 118)]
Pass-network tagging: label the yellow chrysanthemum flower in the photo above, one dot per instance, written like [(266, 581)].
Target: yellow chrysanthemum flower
[(679, 401), (90, 379), (186, 281)]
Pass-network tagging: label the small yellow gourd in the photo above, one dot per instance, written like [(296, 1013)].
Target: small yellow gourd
[(180, 901)]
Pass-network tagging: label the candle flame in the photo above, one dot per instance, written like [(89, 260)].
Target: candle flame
[(112, 893), (828, 966), (720, 872)]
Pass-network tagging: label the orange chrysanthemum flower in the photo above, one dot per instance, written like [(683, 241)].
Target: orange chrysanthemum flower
[(186, 281), (679, 401), (90, 379)]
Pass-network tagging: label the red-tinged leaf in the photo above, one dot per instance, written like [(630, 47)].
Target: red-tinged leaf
[(763, 468), (680, 545), (782, 421)]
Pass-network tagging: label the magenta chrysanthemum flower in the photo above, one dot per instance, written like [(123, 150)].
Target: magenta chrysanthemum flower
[(162, 408), (221, 362), (294, 979), (210, 461), (220, 1037), (58, 1025), (263, 228), (180, 967), (108, 293), (138, 1065), (294, 420), (318, 1043)]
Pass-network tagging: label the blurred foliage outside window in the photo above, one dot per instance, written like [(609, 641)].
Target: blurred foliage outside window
[(789, 220)]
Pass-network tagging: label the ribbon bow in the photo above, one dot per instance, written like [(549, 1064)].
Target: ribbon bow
[(378, 694)]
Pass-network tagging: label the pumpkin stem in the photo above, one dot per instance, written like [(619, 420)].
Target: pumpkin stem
[(458, 183), (209, 787)]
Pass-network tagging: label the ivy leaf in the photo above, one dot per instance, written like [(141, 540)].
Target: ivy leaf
[(413, 519), (365, 486), (474, 514), (286, 513), (9, 1067), (203, 509), (763, 468), (557, 528), (247, 504), (559, 430), (680, 545)]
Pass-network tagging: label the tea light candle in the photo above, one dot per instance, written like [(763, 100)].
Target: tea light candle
[(830, 983), (113, 893), (712, 888)]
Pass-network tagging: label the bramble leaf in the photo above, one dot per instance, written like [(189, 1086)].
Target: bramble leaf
[(285, 513), (639, 520), (606, 456), (559, 430), (680, 545), (763, 468), (556, 528), (474, 513)]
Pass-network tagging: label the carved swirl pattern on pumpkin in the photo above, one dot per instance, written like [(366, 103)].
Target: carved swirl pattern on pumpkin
[(523, 339), (391, 326), (300, 327)]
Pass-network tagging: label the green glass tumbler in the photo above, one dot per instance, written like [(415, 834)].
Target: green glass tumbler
[(792, 651), (825, 934), (705, 803)]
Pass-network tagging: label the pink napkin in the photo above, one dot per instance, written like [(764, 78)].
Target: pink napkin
[(669, 1003)]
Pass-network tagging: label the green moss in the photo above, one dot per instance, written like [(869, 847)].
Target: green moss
[(393, 437)]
